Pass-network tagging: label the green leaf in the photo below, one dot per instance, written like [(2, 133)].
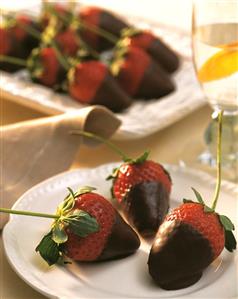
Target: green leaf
[(83, 190), (71, 192), (187, 200), (226, 222), (208, 209), (82, 224), (230, 241), (113, 175), (48, 249), (198, 196), (59, 235), (139, 160)]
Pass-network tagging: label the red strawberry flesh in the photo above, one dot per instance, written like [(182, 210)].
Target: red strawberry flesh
[(87, 79), (194, 215), (68, 42), (156, 48), (50, 65), (90, 248), (132, 70), (132, 174), (5, 41)]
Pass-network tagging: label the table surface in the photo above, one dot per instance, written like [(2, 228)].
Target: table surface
[(181, 141)]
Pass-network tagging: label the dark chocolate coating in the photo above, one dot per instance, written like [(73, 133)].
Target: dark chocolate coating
[(111, 24), (111, 95), (122, 241), (178, 256), (145, 207), (164, 55), (155, 83), (30, 42)]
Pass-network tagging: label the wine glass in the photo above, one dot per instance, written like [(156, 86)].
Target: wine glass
[(215, 56)]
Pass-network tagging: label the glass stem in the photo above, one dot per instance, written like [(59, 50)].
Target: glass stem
[(218, 184)]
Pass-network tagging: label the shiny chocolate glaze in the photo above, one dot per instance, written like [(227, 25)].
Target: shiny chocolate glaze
[(166, 57), (155, 83), (145, 207), (111, 95), (178, 256), (122, 241)]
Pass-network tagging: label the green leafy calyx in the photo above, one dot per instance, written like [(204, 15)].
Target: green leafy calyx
[(77, 221), (230, 241)]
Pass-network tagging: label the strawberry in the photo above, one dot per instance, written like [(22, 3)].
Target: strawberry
[(7, 48), (15, 41), (56, 10), (142, 188), (191, 237), (100, 28), (188, 241), (88, 229), (68, 41), (154, 46), (139, 75), (45, 68), (91, 82), (20, 32)]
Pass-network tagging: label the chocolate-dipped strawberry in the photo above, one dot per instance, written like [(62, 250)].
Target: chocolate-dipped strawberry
[(45, 67), (15, 40), (100, 28), (87, 229), (139, 75), (20, 27), (91, 82), (191, 237), (141, 188), (68, 41), (153, 45), (7, 48), (51, 9)]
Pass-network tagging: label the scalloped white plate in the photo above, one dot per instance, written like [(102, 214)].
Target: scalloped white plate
[(125, 278), (156, 114)]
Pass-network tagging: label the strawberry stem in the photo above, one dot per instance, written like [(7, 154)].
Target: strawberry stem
[(218, 184), (28, 213), (107, 35), (13, 60), (101, 139)]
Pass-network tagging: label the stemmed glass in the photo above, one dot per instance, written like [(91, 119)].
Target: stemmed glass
[(215, 54)]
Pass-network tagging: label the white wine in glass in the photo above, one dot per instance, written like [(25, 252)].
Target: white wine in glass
[(215, 53)]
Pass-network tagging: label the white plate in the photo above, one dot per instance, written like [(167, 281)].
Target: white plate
[(125, 278), (156, 114)]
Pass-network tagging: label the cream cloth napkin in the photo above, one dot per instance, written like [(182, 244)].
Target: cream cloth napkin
[(32, 151)]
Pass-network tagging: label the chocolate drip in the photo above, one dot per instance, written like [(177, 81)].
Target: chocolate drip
[(155, 83), (122, 241), (163, 55), (111, 95), (145, 207), (178, 256)]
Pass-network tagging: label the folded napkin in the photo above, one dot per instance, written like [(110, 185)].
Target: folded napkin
[(32, 151)]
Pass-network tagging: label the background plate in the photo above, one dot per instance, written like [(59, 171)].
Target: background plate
[(156, 114), (125, 278)]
